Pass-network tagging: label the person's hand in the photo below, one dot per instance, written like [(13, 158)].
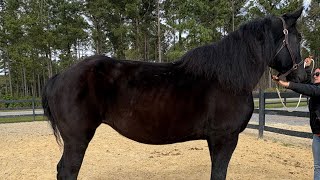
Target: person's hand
[(307, 62), (280, 82)]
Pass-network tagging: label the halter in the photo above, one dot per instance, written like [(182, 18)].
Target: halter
[(279, 95), (286, 44), (294, 67)]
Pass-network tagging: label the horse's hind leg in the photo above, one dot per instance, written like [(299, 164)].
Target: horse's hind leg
[(76, 142), (221, 149)]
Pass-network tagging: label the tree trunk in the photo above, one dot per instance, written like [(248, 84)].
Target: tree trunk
[(33, 86), (5, 75), (8, 71), (17, 90), (10, 78), (180, 34), (137, 45), (174, 39), (159, 33), (155, 51), (97, 40), (24, 81), (44, 77), (39, 85), (232, 1), (49, 62), (145, 47)]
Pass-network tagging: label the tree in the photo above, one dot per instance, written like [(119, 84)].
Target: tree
[(142, 21), (97, 13), (39, 38), (311, 29), (262, 8), (68, 28), (12, 43), (193, 23), (235, 17)]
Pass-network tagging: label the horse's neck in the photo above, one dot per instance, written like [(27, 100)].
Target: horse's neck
[(250, 66), (237, 64)]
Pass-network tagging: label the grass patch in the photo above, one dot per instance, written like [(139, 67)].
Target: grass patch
[(279, 105), (20, 119)]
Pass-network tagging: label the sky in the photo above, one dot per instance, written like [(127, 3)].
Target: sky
[(306, 3)]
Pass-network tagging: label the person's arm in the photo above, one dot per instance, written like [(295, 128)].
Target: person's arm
[(305, 89)]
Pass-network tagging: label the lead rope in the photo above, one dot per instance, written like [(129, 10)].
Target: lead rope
[(279, 95)]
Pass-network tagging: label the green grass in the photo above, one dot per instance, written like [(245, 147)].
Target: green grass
[(293, 104), (279, 105), (20, 119)]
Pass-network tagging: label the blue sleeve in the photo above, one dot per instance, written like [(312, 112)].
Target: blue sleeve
[(305, 89)]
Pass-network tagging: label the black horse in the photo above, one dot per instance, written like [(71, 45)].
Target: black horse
[(207, 94)]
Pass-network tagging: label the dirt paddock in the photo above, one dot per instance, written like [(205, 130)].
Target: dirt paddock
[(29, 151)]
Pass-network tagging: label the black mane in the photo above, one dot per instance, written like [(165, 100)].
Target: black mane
[(238, 60)]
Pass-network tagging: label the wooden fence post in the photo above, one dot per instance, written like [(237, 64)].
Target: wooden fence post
[(261, 112), (285, 101)]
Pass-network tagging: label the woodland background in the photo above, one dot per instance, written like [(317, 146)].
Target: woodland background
[(39, 38)]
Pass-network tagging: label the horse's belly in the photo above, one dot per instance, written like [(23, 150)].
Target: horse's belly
[(157, 131)]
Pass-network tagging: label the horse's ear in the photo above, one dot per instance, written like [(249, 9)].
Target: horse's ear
[(291, 18)]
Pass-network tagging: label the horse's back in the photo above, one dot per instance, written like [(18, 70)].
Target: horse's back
[(147, 102), (128, 95)]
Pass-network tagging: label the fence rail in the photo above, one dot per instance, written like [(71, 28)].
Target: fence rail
[(283, 113), (262, 111), (19, 115), (19, 101), (33, 108), (283, 131)]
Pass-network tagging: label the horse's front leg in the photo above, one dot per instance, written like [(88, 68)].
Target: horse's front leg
[(221, 148)]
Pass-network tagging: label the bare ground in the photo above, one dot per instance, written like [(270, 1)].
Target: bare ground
[(29, 151)]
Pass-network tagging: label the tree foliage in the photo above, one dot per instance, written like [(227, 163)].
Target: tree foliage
[(39, 38), (311, 29)]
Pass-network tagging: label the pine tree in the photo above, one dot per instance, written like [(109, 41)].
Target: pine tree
[(311, 30)]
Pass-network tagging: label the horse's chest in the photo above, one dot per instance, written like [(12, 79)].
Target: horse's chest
[(230, 113), (234, 111)]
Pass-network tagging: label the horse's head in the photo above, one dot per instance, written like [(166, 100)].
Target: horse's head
[(287, 59)]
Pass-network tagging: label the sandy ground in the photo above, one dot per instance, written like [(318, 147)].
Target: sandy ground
[(29, 151)]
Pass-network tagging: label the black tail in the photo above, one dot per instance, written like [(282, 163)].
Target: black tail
[(47, 110)]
